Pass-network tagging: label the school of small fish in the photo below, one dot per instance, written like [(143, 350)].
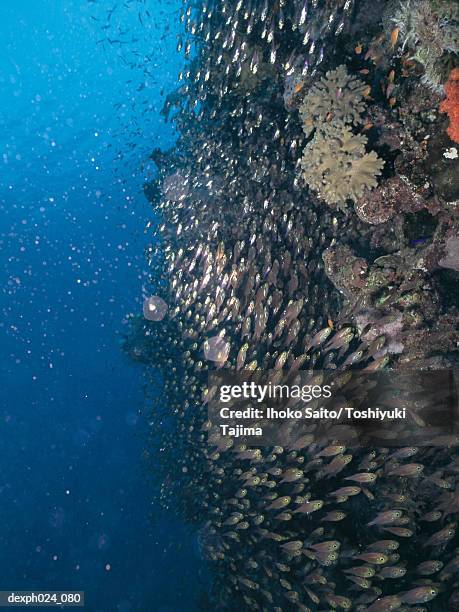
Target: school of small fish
[(239, 283)]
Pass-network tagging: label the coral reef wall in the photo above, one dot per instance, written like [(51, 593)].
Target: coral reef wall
[(308, 221)]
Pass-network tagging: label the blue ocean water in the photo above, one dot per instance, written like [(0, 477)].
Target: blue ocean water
[(82, 84)]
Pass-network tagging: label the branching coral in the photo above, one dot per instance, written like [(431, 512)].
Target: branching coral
[(430, 29), (338, 96), (451, 104), (336, 165)]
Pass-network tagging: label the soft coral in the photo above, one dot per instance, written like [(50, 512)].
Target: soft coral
[(451, 104)]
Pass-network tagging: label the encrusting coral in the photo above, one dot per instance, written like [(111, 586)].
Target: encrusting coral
[(451, 104)]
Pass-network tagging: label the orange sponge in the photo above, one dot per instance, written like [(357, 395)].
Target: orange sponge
[(451, 104)]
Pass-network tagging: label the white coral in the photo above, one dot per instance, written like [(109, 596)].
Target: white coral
[(336, 165), (338, 96)]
